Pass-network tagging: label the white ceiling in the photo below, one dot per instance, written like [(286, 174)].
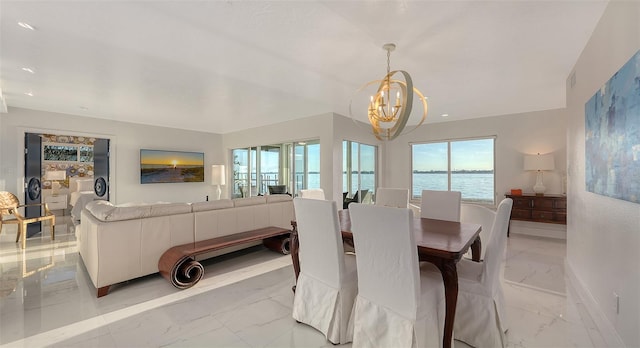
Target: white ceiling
[(223, 66)]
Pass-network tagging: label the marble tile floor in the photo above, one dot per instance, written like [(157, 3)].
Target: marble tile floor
[(244, 300)]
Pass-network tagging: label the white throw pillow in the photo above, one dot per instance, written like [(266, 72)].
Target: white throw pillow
[(84, 185)]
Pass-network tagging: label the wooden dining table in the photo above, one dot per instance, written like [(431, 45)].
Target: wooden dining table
[(442, 243)]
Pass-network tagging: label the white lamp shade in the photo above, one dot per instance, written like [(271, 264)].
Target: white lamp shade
[(539, 162), (55, 175), (218, 176)]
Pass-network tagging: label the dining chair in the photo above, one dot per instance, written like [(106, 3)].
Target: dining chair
[(392, 197), (327, 283), (317, 193), (9, 205), (441, 205), (481, 215), (480, 318), (397, 305)]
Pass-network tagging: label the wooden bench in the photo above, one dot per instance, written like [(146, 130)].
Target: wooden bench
[(179, 266)]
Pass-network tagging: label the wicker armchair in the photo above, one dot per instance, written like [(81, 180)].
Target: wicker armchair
[(9, 205)]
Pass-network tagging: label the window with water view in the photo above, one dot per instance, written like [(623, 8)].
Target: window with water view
[(296, 165), (359, 170), (457, 165)]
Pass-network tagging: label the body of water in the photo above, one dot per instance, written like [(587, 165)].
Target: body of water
[(475, 187)]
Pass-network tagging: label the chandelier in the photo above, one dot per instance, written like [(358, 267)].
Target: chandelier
[(390, 107)]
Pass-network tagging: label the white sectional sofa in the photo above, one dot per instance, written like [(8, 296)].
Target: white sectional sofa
[(118, 243)]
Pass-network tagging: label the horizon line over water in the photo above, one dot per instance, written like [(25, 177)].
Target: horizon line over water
[(161, 166), (462, 171), (475, 186)]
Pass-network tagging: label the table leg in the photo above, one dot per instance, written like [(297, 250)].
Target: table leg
[(294, 252), (450, 279), (476, 249)]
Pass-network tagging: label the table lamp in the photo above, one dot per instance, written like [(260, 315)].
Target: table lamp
[(218, 178), (539, 163)]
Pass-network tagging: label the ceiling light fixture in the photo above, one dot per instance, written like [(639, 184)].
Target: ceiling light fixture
[(388, 118), (445, 115), (29, 70), (26, 25), (29, 94)]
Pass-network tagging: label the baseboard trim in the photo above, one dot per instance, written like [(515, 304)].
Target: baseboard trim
[(607, 330), (538, 229)]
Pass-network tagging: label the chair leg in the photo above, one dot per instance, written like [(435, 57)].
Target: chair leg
[(53, 229), (24, 235), (18, 233)]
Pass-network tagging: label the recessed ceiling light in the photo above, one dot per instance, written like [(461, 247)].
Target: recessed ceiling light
[(29, 94), (29, 70), (84, 108), (445, 115), (26, 25)]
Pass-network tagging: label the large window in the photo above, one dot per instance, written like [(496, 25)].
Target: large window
[(359, 163), (240, 159), (457, 165), (306, 165), (269, 167), (67, 153), (255, 169), (296, 165)]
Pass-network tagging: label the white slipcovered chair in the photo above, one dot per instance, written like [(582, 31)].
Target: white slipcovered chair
[(478, 214), (392, 197), (480, 315), (312, 193), (328, 281), (441, 205), (397, 304)]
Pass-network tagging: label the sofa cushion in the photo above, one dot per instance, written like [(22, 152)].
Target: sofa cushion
[(105, 211), (278, 198), (170, 209), (243, 202), (137, 204), (99, 208), (212, 205)]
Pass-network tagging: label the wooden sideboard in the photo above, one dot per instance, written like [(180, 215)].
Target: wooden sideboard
[(551, 209)]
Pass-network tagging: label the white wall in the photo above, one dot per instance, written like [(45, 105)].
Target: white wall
[(127, 140), (603, 234), (3, 175), (516, 135)]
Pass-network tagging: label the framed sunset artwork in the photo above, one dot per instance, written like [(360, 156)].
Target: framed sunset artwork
[(161, 166)]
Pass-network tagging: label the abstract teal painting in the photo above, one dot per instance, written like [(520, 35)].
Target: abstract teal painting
[(612, 135)]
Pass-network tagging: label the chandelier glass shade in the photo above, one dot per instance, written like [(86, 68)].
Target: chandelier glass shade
[(390, 107)]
